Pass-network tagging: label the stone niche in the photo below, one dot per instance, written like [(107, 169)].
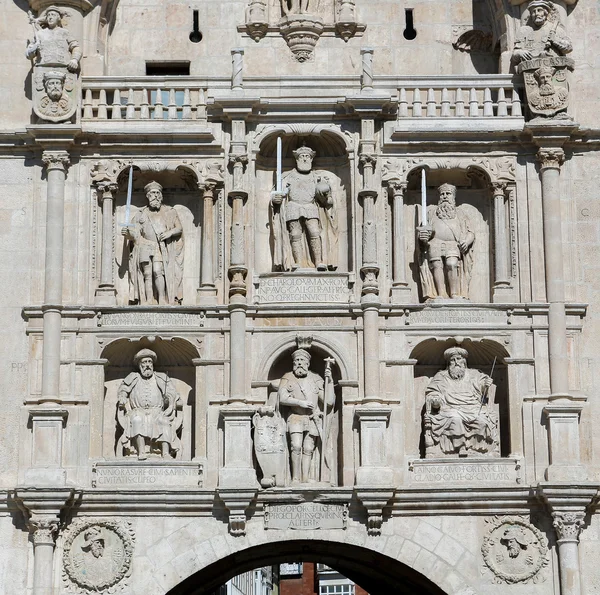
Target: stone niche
[(180, 191), (174, 365), (277, 463), (429, 355), (474, 200), (280, 252)]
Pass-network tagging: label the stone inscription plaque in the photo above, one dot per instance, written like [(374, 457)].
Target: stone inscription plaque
[(152, 319), (286, 288), (444, 471), (147, 474), (467, 316), (307, 516)]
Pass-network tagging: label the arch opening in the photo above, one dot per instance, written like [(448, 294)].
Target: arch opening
[(375, 572)]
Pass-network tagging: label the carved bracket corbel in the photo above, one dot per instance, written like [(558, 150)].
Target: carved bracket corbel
[(374, 500), (237, 502)]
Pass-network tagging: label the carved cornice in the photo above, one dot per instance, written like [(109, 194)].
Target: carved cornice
[(551, 158), (56, 160), (568, 525)]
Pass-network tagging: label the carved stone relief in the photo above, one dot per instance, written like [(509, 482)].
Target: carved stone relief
[(149, 411), (97, 555), (304, 218), (540, 55), (57, 56), (514, 551), (458, 420)]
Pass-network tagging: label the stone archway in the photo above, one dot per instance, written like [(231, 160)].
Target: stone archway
[(377, 573)]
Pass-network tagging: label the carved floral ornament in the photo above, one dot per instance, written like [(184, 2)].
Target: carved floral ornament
[(514, 551), (498, 169), (568, 525), (97, 555)]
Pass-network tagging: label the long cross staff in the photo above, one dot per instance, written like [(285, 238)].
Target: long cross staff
[(129, 193), (487, 390), (326, 389)]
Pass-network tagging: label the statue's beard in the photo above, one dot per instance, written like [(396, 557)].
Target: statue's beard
[(446, 210), (54, 94), (546, 89), (456, 371), (514, 551)]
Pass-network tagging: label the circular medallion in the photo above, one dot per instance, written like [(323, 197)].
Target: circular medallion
[(515, 551), (97, 553)]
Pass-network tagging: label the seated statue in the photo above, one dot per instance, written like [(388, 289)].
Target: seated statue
[(457, 420), (149, 410)]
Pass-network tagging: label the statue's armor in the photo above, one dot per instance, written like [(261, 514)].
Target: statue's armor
[(55, 46), (301, 193), (446, 235)]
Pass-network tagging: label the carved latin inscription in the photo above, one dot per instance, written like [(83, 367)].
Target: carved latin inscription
[(307, 516), (433, 471), (144, 475), (299, 288)]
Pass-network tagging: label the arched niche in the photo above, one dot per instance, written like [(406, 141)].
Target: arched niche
[(180, 191), (475, 197), (280, 364), (332, 162), (484, 355), (174, 356)]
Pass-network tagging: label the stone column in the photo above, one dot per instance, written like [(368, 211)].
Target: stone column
[(106, 293), (43, 536), (207, 293), (237, 74), (568, 526), (550, 161), (366, 80), (400, 290), (369, 273), (56, 166), (237, 285), (501, 276)]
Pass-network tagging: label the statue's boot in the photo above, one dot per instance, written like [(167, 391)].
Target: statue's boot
[(149, 290), (306, 461), (140, 444), (296, 252), (316, 250), (296, 460), (165, 451), (440, 281)]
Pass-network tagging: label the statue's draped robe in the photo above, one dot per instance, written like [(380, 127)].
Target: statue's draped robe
[(151, 409), (461, 419), (460, 228), (303, 200), (146, 231)]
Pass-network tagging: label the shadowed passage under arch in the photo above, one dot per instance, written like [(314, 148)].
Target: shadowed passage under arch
[(373, 571)]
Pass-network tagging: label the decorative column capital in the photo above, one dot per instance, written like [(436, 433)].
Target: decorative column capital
[(368, 159), (568, 525), (397, 187), (238, 159), (208, 188), (56, 160), (107, 189), (43, 531), (550, 158), (499, 188)]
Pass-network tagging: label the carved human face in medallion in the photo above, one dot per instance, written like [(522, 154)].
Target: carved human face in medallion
[(97, 548), (155, 198), (53, 19), (54, 88), (146, 367), (300, 366), (539, 15)]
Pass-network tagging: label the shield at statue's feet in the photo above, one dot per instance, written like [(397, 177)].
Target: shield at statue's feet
[(270, 447)]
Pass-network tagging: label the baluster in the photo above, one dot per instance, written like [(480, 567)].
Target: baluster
[(88, 110), (459, 107), (402, 104), (445, 109), (172, 111), (201, 109), (417, 104), (488, 104), (516, 104), (144, 106), (102, 111), (186, 108), (130, 112), (473, 103), (116, 105), (158, 105), (431, 105), (502, 107)]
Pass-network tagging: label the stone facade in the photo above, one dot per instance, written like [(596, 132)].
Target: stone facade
[(359, 240)]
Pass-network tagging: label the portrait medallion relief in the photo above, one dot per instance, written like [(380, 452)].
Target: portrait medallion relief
[(515, 551), (97, 555)]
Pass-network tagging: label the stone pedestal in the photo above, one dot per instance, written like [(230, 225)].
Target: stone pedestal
[(373, 470), (237, 470)]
